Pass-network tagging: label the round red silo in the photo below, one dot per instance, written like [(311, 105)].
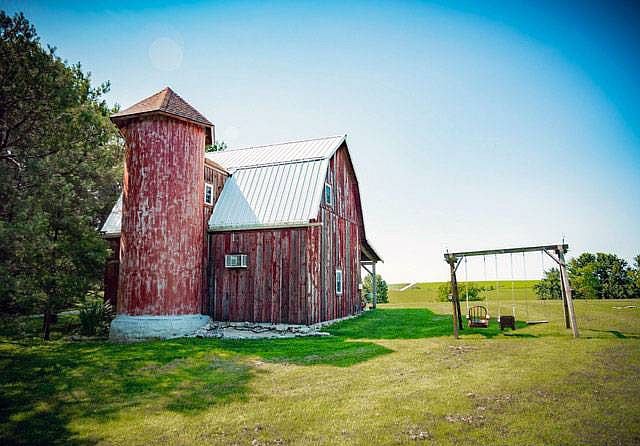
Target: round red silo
[(162, 234)]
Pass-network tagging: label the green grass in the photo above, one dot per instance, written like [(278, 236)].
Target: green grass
[(393, 376)]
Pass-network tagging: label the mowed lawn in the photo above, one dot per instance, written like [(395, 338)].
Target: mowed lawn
[(393, 376)]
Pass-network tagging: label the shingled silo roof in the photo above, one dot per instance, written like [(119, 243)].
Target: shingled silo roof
[(167, 102)]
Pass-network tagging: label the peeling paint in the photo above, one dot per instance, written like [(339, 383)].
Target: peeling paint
[(162, 235)]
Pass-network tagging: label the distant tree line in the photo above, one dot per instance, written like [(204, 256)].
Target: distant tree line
[(594, 276)]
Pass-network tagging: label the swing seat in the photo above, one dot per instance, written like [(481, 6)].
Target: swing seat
[(507, 322), (478, 317)]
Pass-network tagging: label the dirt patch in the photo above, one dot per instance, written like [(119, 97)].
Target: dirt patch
[(474, 419), (415, 433)]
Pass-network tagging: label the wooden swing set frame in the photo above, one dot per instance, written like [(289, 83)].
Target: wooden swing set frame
[(556, 252)]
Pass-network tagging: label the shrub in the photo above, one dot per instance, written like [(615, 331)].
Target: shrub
[(95, 316), (475, 292), (382, 289), (549, 286)]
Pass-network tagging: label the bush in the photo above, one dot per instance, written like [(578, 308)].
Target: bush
[(475, 292), (95, 316), (549, 286), (382, 289)]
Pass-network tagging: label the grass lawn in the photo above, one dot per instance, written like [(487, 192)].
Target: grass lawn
[(392, 376)]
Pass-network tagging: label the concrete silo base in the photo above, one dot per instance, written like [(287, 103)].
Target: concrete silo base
[(140, 328)]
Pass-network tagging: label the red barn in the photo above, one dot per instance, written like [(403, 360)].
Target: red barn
[(273, 233)]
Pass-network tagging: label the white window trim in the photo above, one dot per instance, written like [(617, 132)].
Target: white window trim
[(208, 185), (235, 261), (341, 282), (330, 202)]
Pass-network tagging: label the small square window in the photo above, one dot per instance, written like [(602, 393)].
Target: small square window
[(338, 281), (235, 261), (328, 194), (208, 194)]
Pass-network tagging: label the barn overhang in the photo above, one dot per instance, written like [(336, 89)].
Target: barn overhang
[(368, 254)]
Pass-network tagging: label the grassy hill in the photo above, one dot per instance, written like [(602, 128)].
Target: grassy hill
[(423, 292)]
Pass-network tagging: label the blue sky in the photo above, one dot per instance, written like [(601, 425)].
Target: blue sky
[(472, 124)]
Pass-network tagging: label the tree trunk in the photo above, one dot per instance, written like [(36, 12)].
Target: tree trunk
[(46, 324)]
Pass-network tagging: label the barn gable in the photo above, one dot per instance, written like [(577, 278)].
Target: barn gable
[(273, 186)]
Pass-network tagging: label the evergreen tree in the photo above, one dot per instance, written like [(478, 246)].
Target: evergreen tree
[(60, 170)]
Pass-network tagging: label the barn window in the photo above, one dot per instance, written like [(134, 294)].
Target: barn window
[(328, 195), (208, 194), (338, 281), (235, 261)]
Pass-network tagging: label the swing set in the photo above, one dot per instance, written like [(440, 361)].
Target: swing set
[(478, 315)]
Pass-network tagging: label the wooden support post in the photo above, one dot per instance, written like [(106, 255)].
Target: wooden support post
[(563, 295), (454, 296), (374, 286), (458, 308), (567, 289)]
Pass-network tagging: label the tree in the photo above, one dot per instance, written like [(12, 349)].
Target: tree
[(382, 289), (634, 275), (60, 172), (216, 147), (613, 276), (549, 286), (471, 290), (583, 276)]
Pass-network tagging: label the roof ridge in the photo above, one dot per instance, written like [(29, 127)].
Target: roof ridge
[(167, 95), (312, 159), (231, 149)]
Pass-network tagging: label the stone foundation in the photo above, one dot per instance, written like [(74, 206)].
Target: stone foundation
[(260, 330)]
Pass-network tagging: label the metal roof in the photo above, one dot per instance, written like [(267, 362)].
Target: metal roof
[(283, 194), (287, 152), (111, 227), (274, 185)]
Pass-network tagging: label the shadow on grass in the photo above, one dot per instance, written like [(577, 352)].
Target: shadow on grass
[(44, 386), (411, 323), (615, 333)]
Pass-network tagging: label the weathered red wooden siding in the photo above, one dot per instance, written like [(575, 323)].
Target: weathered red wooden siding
[(336, 245), (273, 286), (290, 277), (162, 238), (111, 269), (216, 178)]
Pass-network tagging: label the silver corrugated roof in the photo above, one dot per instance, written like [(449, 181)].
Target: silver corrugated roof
[(277, 153), (112, 225), (274, 195)]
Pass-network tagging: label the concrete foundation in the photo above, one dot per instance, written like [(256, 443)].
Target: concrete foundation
[(140, 328)]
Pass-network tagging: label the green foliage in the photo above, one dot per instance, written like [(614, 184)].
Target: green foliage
[(634, 275), (601, 276), (382, 289), (471, 290), (583, 276), (95, 314), (594, 276), (549, 287), (60, 171), (216, 147)]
